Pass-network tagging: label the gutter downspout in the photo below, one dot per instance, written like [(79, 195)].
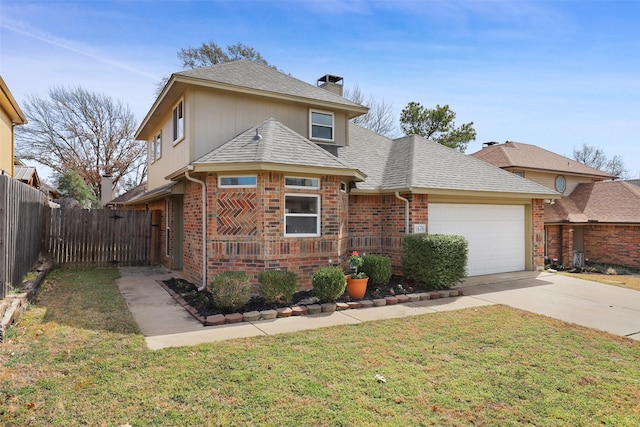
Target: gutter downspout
[(406, 212), (204, 227)]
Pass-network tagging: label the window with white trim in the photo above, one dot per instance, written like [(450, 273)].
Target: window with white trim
[(152, 151), (321, 124), (301, 182), (157, 146), (343, 186), (178, 122), (561, 184), (237, 181), (302, 215)]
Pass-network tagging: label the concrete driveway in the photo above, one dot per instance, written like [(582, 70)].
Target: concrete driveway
[(607, 308), (604, 307)]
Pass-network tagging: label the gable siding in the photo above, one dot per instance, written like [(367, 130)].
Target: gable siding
[(173, 157), (548, 179), (219, 117)]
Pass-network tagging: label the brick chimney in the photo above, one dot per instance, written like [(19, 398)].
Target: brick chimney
[(331, 83)]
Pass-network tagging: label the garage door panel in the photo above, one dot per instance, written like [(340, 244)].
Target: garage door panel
[(495, 234)]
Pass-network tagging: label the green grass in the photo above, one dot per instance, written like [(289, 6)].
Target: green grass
[(76, 358)]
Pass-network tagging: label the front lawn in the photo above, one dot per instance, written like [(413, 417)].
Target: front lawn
[(624, 281), (76, 358)]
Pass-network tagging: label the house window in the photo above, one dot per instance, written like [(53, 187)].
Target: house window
[(343, 186), (237, 181), (321, 125), (152, 151), (157, 146), (561, 184), (178, 122), (302, 215), (297, 182), (519, 173)]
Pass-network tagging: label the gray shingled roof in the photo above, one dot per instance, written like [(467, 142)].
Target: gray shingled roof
[(519, 155), (414, 162), (249, 74), (278, 145)]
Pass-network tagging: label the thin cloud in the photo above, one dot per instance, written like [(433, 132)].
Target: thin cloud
[(71, 46)]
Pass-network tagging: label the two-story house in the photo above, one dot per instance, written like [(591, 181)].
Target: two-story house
[(10, 116), (597, 218), (254, 169)]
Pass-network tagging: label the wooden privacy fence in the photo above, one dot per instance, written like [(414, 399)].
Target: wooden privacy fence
[(22, 211), (98, 238)]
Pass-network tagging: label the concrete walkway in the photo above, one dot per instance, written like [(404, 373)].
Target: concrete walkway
[(165, 323)]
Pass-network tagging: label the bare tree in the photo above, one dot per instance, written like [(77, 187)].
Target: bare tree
[(81, 130), (597, 159), (380, 117), (210, 53)]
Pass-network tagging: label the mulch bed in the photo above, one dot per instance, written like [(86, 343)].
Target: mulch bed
[(202, 302)]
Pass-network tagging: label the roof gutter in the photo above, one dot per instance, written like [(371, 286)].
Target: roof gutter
[(204, 227), (406, 212)]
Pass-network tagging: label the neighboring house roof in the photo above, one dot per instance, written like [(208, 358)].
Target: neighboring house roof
[(27, 174), (249, 77), (525, 156), (129, 195), (633, 181), (412, 163), (156, 193), (272, 146), (603, 202)]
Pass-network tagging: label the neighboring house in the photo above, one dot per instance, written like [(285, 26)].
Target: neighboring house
[(27, 175), (10, 115), (119, 202), (287, 181), (597, 218)]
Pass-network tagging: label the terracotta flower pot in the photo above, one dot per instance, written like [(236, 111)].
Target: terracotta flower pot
[(356, 288)]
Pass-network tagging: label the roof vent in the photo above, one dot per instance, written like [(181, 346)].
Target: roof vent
[(257, 137), (489, 144), (331, 83)]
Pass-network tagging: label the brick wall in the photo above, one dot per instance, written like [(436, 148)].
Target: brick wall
[(537, 238), (612, 244), (377, 224), (246, 229), (554, 239)]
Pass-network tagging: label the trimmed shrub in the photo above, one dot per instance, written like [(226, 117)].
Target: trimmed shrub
[(329, 283), (230, 290), (377, 268), (277, 286), (434, 261)]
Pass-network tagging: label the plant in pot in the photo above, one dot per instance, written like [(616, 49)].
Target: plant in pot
[(357, 282)]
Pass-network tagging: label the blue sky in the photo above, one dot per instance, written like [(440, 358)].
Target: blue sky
[(555, 74)]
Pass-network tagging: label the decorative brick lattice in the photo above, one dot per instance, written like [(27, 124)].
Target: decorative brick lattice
[(237, 214)]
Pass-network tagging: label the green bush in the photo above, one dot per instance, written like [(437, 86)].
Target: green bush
[(329, 283), (230, 290), (434, 261), (277, 286), (377, 268)]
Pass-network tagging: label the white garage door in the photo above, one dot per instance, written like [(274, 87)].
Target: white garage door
[(495, 234)]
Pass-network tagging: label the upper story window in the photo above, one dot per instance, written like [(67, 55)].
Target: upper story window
[(561, 184), (237, 181), (157, 146), (297, 182), (178, 122), (321, 124), (519, 173)]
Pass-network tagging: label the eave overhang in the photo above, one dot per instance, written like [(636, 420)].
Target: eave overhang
[(354, 174)]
